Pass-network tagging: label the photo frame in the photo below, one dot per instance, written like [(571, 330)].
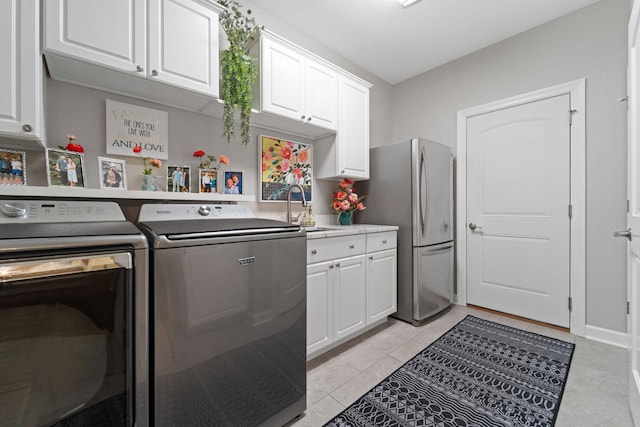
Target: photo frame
[(232, 182), (178, 179), (112, 173), (208, 180), (13, 167), (284, 163), (59, 172)]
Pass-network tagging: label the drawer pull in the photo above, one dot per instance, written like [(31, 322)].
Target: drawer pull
[(337, 264), (313, 252), (352, 246), (371, 257), (384, 242), (330, 265)]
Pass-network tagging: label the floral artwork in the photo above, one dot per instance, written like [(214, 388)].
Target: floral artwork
[(284, 163)]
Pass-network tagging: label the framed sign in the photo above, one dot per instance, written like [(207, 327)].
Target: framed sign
[(284, 163), (130, 126)]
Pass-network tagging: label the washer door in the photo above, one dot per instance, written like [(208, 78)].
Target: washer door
[(65, 331)]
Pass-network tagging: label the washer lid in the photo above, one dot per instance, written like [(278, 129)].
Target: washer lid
[(192, 229), (67, 229)]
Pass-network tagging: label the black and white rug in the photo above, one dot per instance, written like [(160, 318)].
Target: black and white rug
[(479, 373)]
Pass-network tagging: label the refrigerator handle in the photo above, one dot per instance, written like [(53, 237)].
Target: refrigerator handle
[(423, 190)]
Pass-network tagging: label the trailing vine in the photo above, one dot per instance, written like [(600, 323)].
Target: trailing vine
[(238, 69)]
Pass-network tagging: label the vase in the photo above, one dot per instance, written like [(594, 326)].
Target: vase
[(150, 183), (345, 218)]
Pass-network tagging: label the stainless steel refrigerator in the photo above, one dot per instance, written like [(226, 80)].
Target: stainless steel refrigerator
[(411, 186)]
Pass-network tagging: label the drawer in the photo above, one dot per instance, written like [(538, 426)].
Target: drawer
[(381, 241), (319, 250)]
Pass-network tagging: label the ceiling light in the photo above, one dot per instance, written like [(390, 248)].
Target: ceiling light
[(407, 3)]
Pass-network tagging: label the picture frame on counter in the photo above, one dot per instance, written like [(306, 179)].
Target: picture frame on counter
[(208, 180), (112, 173), (282, 164), (178, 178), (232, 182), (13, 167), (65, 168)]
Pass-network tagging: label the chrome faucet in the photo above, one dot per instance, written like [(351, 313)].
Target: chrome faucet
[(304, 199)]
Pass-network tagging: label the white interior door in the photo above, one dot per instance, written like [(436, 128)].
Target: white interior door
[(633, 218), (518, 196)]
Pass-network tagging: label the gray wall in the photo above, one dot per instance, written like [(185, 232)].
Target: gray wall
[(590, 43)]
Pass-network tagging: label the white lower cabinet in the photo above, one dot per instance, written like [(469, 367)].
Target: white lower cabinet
[(348, 289)]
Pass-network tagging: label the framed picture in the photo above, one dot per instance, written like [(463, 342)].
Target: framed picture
[(232, 183), (208, 180), (13, 167), (65, 168), (178, 178), (284, 163), (112, 173)]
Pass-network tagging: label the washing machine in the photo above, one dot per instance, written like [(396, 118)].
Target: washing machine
[(73, 315), (228, 302)]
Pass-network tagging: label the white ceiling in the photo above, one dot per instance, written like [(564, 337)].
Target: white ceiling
[(396, 44)]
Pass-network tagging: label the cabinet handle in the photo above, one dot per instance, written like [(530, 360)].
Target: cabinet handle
[(139, 69), (371, 257), (337, 264), (313, 252), (330, 265), (352, 246), (384, 242), (342, 171), (154, 72), (309, 119), (27, 128), (302, 117)]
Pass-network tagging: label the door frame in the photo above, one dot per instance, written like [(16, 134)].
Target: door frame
[(577, 259)]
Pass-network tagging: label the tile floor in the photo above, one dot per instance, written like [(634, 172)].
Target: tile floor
[(596, 393)]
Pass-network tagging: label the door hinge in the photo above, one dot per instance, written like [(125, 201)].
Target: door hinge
[(627, 206), (570, 211), (571, 113), (628, 307), (570, 304)]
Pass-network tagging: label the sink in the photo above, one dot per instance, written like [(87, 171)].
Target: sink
[(314, 229)]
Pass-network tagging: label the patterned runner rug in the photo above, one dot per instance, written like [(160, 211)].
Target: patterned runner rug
[(479, 373)]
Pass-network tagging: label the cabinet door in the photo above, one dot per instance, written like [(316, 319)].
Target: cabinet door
[(110, 33), (382, 290), (349, 296), (353, 129), (321, 95), (183, 45), (319, 306), (282, 80), (20, 71)]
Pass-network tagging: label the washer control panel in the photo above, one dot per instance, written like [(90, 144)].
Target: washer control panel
[(176, 212), (46, 211)]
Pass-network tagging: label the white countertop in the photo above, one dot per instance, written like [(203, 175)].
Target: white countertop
[(346, 230)]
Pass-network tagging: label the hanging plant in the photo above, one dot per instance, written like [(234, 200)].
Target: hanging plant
[(238, 69)]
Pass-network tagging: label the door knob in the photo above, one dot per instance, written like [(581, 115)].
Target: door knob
[(625, 233), (473, 227)]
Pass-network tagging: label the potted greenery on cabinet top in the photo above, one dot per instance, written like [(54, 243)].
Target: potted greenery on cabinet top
[(238, 69)]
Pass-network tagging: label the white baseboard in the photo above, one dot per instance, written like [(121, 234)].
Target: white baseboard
[(607, 336)]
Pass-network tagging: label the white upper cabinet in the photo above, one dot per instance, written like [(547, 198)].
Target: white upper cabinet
[(296, 86), (346, 154), (21, 70), (129, 46), (109, 33), (183, 45)]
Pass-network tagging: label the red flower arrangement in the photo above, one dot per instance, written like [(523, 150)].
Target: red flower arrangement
[(346, 199), (153, 163), (71, 146), (206, 163)]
